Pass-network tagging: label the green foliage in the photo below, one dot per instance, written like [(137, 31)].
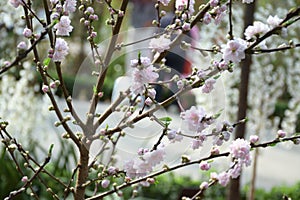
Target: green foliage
[(292, 192), (9, 177)]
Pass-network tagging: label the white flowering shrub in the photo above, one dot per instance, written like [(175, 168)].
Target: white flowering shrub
[(106, 137)]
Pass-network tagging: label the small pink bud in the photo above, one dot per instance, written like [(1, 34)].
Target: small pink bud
[(53, 85), (184, 16), (121, 13), (215, 151), (253, 139), (127, 179), (112, 170), (93, 34), (177, 21), (22, 45), (148, 101), (201, 73), (45, 88), (102, 131), (213, 3), (150, 180), (214, 176), (180, 84), (105, 183), (223, 65), (27, 33), (128, 114), (100, 94), (140, 151), (186, 26), (51, 51), (86, 23), (6, 63), (24, 179), (204, 185), (281, 134), (204, 166), (207, 18), (93, 17), (152, 93), (90, 10)]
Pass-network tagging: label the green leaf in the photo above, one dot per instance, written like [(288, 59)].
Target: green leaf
[(46, 62), (215, 116), (272, 145), (95, 89), (165, 119), (216, 77)]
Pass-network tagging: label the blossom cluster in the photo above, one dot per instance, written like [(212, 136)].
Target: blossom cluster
[(144, 164), (181, 5), (258, 28), (196, 119), (62, 27), (143, 73)]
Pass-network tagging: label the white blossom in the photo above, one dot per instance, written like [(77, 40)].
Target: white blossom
[(255, 30), (63, 27), (61, 50), (160, 44), (234, 50)]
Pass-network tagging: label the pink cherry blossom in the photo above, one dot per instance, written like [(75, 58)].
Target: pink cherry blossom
[(63, 27), (142, 74), (223, 178), (207, 18), (155, 157), (131, 172), (213, 3), (182, 4), (257, 29), (105, 183), (234, 50), (70, 6), (240, 150), (193, 117), (203, 185), (281, 133), (61, 50), (148, 101), (27, 33), (145, 62), (186, 26), (208, 86), (273, 21), (160, 44), (24, 179), (253, 139), (22, 45), (45, 88), (143, 165), (204, 165), (236, 170)]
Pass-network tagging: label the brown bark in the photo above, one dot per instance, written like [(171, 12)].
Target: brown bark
[(82, 175), (234, 187)]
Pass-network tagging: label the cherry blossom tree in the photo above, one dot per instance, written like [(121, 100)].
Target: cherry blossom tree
[(50, 30)]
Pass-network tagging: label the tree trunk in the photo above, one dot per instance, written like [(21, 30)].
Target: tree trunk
[(234, 187), (82, 172)]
